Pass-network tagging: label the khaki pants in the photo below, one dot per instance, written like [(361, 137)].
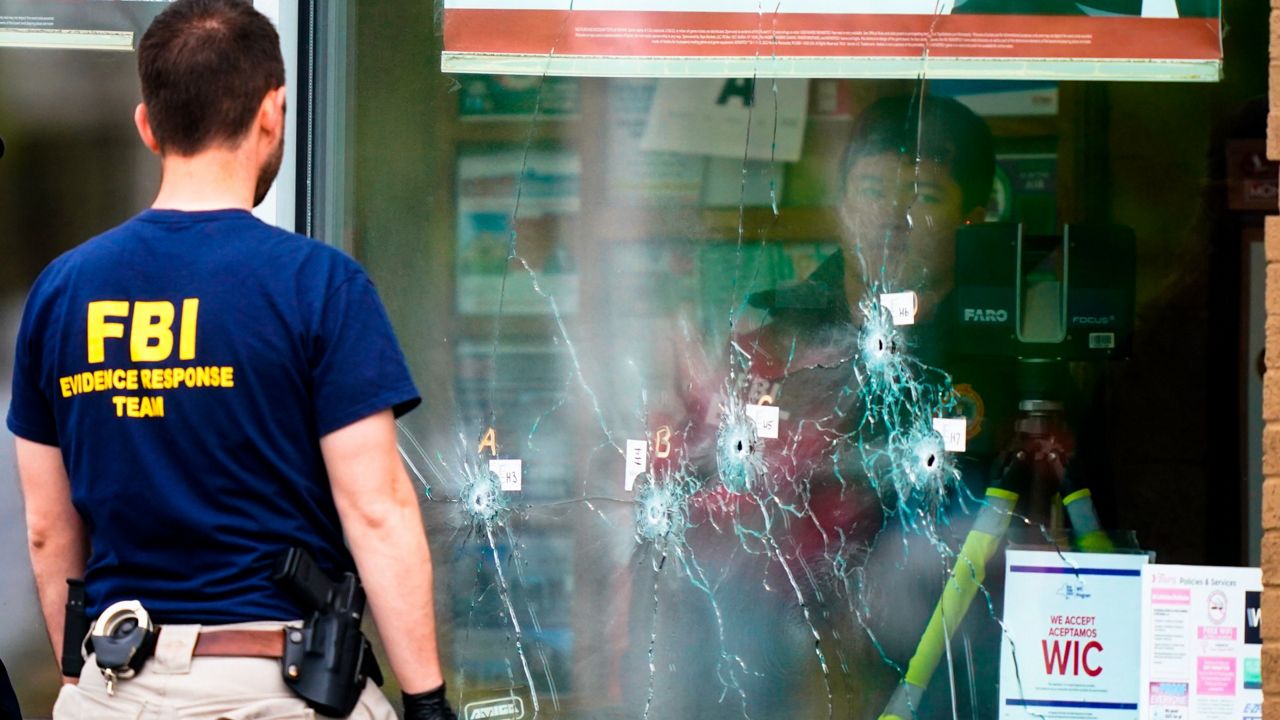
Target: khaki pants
[(176, 686)]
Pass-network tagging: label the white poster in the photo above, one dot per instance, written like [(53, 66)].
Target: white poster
[(635, 176), (1202, 643), (716, 117), (1072, 636)]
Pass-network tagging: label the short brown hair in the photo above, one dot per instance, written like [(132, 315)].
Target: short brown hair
[(205, 66)]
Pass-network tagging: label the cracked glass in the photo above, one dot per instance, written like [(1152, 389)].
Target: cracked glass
[(738, 392)]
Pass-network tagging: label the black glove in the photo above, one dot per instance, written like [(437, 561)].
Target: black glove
[(430, 705)]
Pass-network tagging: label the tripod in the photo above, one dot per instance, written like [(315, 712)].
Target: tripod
[(1040, 465)]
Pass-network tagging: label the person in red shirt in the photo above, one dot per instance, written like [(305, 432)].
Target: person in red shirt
[(800, 514)]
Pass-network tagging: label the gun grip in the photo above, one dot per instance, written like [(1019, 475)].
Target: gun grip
[(303, 579)]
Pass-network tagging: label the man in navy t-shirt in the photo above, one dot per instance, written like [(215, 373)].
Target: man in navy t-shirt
[(196, 392)]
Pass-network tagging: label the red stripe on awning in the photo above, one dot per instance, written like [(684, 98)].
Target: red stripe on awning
[(718, 35)]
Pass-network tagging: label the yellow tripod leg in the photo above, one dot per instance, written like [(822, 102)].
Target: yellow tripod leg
[(967, 576), (1084, 521)]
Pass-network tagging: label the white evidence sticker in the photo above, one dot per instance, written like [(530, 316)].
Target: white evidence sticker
[(902, 306), (954, 432), (766, 419), (637, 461), (509, 473)]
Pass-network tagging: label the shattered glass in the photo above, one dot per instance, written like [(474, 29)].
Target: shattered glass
[(792, 510), (699, 439), (803, 527), (805, 537)]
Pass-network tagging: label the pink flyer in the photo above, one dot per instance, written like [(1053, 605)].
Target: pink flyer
[(1216, 676)]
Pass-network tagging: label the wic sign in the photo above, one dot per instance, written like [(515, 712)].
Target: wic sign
[(1069, 658), (1073, 639)]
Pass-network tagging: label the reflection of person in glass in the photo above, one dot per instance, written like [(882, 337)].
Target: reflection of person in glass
[(916, 169), (914, 172), (900, 209)]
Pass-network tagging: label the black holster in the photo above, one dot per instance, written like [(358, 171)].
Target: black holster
[(328, 660), (75, 628)]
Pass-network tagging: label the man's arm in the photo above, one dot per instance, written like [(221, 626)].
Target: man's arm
[(378, 506), (55, 533)]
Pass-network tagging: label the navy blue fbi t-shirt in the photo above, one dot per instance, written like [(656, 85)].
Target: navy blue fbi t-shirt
[(187, 365)]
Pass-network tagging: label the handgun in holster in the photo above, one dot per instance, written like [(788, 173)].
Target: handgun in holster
[(327, 661)]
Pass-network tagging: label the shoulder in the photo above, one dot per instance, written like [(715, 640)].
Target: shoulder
[(285, 261), (312, 259), (337, 265), (818, 298), (62, 273)]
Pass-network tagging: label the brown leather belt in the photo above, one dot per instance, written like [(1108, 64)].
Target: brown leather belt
[(240, 643)]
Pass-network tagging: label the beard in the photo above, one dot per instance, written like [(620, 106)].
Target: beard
[(267, 174)]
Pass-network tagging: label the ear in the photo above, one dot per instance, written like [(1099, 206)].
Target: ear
[(143, 121), (271, 114)]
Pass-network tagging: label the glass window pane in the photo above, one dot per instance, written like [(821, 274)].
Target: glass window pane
[(739, 393)]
